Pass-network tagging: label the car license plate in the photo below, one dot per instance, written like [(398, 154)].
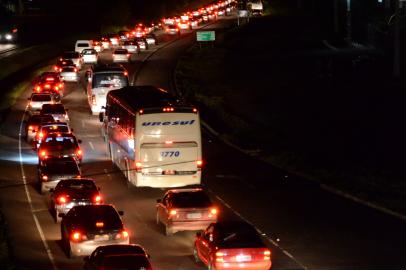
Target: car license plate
[(243, 258), (194, 215), (102, 237), (169, 172), (82, 203)]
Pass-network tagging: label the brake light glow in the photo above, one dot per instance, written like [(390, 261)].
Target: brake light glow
[(47, 86), (138, 166), (213, 211), (43, 153), (48, 79), (172, 212), (125, 73), (170, 109), (219, 256), (77, 236), (141, 111), (168, 142), (75, 69), (41, 135), (62, 199), (99, 224), (97, 199), (122, 235), (38, 88), (79, 152), (30, 127), (194, 110), (199, 164), (267, 255), (45, 177)]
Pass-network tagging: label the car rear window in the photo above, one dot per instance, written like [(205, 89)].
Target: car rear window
[(61, 167), (76, 185), (41, 98), (83, 45), (68, 69), (89, 216), (239, 237), (126, 262), (53, 109), (190, 199), (56, 128)]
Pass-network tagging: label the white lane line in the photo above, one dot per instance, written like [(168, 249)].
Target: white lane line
[(91, 145), (273, 242), (27, 193)]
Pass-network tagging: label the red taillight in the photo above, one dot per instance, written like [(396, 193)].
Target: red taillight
[(128, 55), (194, 110), (30, 127), (122, 235), (62, 199), (49, 79), (138, 166), (99, 224), (170, 109), (125, 73), (45, 178), (79, 152), (38, 88), (213, 211), (41, 135), (78, 236), (219, 256), (75, 69), (168, 142), (56, 68), (43, 153), (267, 255), (172, 212), (94, 100), (199, 164), (97, 199)]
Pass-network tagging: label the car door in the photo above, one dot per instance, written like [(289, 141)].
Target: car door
[(204, 245), (163, 209)]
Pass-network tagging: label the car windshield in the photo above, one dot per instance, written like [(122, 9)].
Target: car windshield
[(88, 52), (68, 69), (76, 185), (239, 237), (190, 199), (100, 216), (126, 262), (55, 166), (81, 45), (41, 98), (55, 128), (117, 80), (53, 109)]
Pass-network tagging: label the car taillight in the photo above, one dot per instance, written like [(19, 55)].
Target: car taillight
[(38, 88), (128, 55), (30, 127), (213, 211), (44, 178), (62, 199), (122, 235), (75, 69), (199, 164), (43, 154), (78, 236), (172, 212), (79, 152), (219, 256), (267, 255), (97, 199), (56, 68), (125, 73), (94, 100), (41, 135), (138, 166)]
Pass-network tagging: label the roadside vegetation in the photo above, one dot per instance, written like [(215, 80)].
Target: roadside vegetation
[(331, 117)]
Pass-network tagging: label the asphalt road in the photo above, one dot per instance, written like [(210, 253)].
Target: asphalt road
[(7, 50), (305, 226)]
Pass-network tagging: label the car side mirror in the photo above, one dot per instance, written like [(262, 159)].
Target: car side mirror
[(79, 141), (61, 215), (121, 213), (158, 200), (198, 234)]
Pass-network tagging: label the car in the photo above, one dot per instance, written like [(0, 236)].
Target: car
[(118, 257), (52, 127), (194, 23), (33, 123), (60, 145), (185, 209), (105, 41), (124, 35), (89, 56), (80, 45), (231, 245), (86, 227), (58, 111), (72, 192), (49, 82), (184, 25), (97, 45), (142, 43), (74, 56), (8, 34), (121, 55), (139, 31), (70, 74), (62, 63), (52, 170), (36, 100), (114, 39), (131, 46), (151, 39), (172, 29)]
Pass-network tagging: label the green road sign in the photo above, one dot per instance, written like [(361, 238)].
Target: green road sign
[(205, 36)]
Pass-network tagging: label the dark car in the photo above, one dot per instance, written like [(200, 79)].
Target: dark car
[(74, 56), (49, 82), (33, 123), (118, 257), (72, 192), (84, 228), (59, 145), (232, 245), (52, 170), (63, 63), (58, 111)]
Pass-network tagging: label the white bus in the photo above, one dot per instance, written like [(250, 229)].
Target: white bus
[(152, 137), (101, 80)]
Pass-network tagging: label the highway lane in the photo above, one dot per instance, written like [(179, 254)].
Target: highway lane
[(321, 230), (7, 49)]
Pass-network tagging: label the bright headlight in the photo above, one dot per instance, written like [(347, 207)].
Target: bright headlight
[(8, 37)]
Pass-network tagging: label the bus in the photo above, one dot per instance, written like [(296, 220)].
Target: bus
[(102, 79), (153, 137)]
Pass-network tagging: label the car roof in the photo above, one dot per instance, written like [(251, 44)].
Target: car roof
[(180, 190)]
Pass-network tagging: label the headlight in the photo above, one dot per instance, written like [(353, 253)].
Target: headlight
[(8, 37)]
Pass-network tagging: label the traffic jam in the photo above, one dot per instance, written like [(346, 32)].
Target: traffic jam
[(152, 138)]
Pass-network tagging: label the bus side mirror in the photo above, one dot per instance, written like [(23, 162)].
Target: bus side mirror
[(101, 116)]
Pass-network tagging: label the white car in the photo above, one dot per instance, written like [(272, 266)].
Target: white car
[(38, 99), (172, 30), (80, 45), (89, 56), (121, 55), (69, 74), (74, 56), (131, 46), (142, 43), (151, 39)]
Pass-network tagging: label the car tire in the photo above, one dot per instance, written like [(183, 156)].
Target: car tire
[(168, 231), (196, 255)]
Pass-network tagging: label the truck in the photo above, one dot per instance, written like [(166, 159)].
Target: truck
[(255, 7)]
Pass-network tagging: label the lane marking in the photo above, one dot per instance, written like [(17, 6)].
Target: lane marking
[(27, 193), (91, 145), (273, 242)]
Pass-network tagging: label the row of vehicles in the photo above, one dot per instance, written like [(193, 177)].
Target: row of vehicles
[(154, 138)]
